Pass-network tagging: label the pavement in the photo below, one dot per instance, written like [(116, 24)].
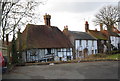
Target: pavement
[(87, 70)]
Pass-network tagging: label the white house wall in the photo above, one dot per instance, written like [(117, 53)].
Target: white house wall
[(28, 56), (92, 45), (115, 41), (95, 47)]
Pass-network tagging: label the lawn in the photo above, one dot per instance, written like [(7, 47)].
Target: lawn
[(115, 56), (103, 56)]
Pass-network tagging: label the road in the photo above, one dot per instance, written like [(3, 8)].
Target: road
[(89, 70)]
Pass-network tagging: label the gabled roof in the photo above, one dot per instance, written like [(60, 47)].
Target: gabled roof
[(105, 32), (97, 34), (116, 30), (43, 36), (81, 35)]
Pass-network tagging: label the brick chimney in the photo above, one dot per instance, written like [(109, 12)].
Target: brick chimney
[(65, 30), (47, 18), (112, 28), (101, 26), (86, 26)]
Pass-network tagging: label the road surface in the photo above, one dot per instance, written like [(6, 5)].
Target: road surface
[(89, 70)]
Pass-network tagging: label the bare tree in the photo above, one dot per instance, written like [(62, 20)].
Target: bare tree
[(17, 14), (14, 16), (108, 15), (6, 6)]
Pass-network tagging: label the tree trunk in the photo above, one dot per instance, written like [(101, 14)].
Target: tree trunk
[(20, 42), (14, 55), (3, 36), (109, 45), (109, 29), (14, 51)]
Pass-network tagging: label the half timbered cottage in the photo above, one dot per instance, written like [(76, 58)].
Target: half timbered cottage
[(44, 43)]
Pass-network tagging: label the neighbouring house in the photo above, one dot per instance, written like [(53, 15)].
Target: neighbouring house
[(118, 32), (84, 44), (102, 37), (114, 37), (44, 43)]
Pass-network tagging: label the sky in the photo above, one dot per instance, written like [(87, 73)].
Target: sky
[(73, 13)]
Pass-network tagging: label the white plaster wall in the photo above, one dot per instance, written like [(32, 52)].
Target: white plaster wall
[(83, 45), (90, 47), (24, 57), (76, 44), (115, 41), (59, 54), (41, 53), (95, 47)]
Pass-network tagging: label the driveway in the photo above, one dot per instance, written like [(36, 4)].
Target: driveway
[(89, 70)]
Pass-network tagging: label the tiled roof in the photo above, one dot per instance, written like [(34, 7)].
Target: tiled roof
[(116, 30), (81, 35), (97, 34), (43, 36), (103, 35), (105, 32)]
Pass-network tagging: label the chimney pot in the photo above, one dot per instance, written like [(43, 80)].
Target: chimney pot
[(101, 26), (47, 18), (86, 22), (86, 26), (66, 27)]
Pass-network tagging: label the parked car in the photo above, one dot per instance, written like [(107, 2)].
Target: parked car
[(3, 63)]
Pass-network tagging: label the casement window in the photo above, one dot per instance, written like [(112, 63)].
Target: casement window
[(32, 52), (68, 50), (95, 51), (49, 50), (86, 43), (59, 50), (80, 42), (92, 51), (92, 43)]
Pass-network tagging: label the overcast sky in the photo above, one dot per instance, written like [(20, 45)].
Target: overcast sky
[(73, 13)]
